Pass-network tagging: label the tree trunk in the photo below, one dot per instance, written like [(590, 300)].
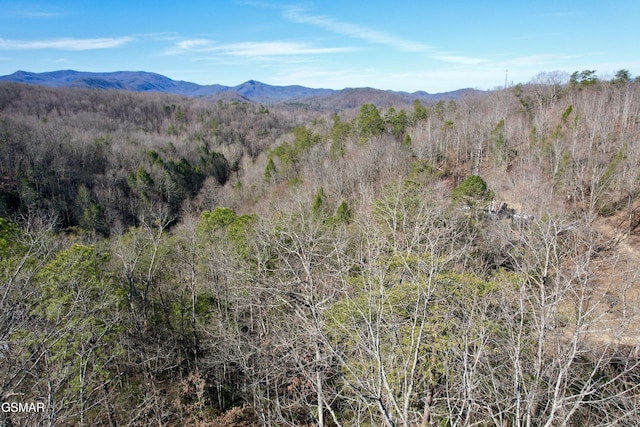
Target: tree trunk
[(426, 414)]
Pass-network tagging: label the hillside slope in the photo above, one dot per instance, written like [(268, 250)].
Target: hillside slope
[(175, 261)]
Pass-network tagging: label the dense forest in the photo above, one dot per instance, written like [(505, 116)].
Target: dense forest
[(173, 261)]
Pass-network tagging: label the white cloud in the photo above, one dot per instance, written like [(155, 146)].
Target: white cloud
[(37, 14), (254, 49), (277, 48), (458, 59), (40, 12), (195, 44), (65, 43), (297, 15)]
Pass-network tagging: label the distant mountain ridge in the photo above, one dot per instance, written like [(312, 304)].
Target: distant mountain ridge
[(136, 81), (142, 81)]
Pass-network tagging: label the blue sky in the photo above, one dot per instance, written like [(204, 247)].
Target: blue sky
[(432, 45)]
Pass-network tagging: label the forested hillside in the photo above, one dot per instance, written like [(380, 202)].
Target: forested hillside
[(176, 262)]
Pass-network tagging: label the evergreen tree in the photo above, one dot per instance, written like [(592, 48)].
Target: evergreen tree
[(472, 191), (369, 121)]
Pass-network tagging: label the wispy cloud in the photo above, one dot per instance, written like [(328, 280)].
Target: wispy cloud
[(278, 48), (43, 12), (253, 49), (65, 43), (193, 45), (32, 14), (369, 35), (459, 59), (298, 15)]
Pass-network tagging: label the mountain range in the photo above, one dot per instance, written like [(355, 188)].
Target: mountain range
[(254, 91)]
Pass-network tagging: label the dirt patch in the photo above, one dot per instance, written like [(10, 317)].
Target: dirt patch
[(616, 278)]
